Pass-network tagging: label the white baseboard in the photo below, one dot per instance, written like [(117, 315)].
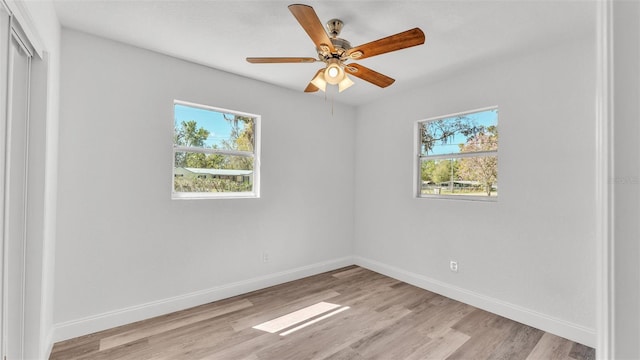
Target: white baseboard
[(565, 329), (107, 320)]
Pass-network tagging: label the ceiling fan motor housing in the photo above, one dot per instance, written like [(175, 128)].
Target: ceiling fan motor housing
[(340, 45)]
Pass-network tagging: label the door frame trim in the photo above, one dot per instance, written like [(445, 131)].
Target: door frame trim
[(604, 199)]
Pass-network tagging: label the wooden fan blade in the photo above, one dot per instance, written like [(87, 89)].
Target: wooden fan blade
[(369, 75), (391, 43), (279, 60), (310, 22), (311, 88)]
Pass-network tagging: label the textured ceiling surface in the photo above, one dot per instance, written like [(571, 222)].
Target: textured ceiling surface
[(221, 34)]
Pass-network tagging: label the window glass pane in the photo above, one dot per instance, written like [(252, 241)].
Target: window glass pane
[(470, 176), (206, 128), (198, 172), (456, 134)]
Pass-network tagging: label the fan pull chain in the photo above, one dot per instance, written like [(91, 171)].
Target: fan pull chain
[(331, 105), (325, 100)]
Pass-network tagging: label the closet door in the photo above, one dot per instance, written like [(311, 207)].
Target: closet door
[(15, 193), (4, 50)]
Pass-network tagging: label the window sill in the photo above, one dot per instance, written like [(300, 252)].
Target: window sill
[(213, 196), (459, 197)]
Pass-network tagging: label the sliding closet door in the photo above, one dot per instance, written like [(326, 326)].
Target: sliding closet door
[(15, 193), (4, 46)]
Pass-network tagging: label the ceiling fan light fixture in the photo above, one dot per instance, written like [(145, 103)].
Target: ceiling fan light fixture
[(319, 81), (345, 83), (334, 73)]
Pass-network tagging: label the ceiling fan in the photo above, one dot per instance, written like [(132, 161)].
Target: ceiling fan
[(335, 52)]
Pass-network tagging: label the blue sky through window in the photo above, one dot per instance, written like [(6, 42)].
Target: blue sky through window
[(213, 121), (485, 118)]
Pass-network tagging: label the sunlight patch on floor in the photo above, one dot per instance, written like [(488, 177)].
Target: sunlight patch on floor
[(304, 325), (303, 316)]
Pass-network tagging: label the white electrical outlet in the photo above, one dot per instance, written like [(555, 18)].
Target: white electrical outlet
[(453, 266), (265, 256)]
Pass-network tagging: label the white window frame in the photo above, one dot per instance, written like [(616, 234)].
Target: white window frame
[(255, 193), (419, 158)]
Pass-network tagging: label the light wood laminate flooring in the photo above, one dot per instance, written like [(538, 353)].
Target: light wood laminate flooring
[(350, 313)]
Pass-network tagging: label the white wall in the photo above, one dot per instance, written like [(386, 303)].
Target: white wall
[(531, 255), (124, 249), (626, 180)]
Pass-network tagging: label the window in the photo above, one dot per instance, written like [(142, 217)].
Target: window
[(457, 155), (215, 153)]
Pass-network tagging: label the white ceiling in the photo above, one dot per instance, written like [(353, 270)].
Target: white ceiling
[(221, 34)]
